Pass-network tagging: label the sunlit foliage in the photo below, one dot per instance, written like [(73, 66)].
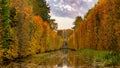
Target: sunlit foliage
[(24, 32), (100, 28)]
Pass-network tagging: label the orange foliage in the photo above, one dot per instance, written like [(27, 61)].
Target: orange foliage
[(27, 10), (37, 19), (100, 29), (46, 25), (31, 35)]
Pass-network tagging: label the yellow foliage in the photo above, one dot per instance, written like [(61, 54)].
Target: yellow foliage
[(30, 35), (37, 19), (12, 52), (27, 10), (1, 54)]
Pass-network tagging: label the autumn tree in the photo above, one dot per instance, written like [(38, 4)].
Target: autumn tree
[(77, 22), (44, 10), (100, 28), (6, 23)]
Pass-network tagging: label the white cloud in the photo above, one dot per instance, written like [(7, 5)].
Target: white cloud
[(55, 0), (81, 8), (64, 11), (63, 22), (68, 7), (78, 1), (88, 0)]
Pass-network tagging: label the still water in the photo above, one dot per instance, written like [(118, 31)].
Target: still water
[(58, 59)]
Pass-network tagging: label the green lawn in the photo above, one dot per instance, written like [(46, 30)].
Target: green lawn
[(96, 57)]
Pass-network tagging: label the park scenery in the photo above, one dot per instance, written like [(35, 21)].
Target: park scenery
[(59, 33)]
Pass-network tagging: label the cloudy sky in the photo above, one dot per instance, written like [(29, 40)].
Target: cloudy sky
[(65, 11)]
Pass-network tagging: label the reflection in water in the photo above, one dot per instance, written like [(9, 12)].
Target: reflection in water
[(67, 59), (59, 59), (64, 61)]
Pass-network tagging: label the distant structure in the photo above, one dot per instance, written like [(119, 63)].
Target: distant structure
[(65, 33)]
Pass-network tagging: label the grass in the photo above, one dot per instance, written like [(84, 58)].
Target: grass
[(107, 58)]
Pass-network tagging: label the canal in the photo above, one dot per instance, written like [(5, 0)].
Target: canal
[(64, 58)]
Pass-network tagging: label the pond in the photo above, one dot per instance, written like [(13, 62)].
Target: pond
[(64, 58)]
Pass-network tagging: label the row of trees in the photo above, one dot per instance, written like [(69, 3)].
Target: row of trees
[(23, 32), (100, 28)]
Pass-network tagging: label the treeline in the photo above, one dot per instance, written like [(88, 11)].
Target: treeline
[(100, 29), (25, 29)]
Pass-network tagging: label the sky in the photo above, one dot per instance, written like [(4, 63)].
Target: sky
[(65, 11)]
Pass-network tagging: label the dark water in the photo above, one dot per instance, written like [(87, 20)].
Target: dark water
[(59, 59), (64, 58)]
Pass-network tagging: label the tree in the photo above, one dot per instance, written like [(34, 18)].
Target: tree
[(44, 10), (53, 25), (6, 23), (77, 22)]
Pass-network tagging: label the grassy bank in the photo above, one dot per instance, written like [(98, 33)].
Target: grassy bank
[(99, 58)]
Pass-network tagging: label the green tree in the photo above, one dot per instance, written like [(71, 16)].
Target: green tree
[(77, 22), (53, 25), (44, 10), (6, 23)]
